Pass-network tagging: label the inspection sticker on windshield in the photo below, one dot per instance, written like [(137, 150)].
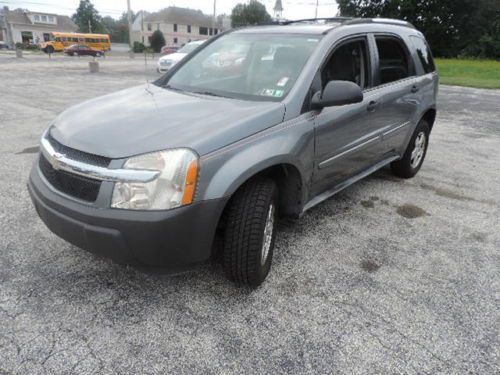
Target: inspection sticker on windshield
[(282, 82), (272, 92)]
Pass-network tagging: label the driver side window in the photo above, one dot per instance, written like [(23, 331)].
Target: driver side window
[(349, 62)]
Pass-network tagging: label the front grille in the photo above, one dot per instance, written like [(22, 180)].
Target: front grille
[(76, 186), (84, 157)]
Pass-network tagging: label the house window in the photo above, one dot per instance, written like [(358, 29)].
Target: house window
[(203, 30), (36, 18), (51, 19), (216, 31), (175, 27), (189, 29), (27, 37), (157, 26), (44, 18), (175, 40), (149, 27)]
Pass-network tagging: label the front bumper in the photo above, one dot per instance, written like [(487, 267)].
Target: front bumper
[(151, 238)]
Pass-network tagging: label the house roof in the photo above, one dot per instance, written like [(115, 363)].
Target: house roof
[(181, 16), (20, 17)]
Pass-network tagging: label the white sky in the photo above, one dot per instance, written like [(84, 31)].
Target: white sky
[(293, 9)]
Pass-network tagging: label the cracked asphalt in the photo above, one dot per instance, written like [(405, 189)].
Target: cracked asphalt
[(389, 276)]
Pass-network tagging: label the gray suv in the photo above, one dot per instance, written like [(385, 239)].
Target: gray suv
[(256, 123)]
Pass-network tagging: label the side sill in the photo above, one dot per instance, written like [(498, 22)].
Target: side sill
[(327, 194)]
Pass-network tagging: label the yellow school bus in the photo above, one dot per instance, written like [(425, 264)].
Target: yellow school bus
[(58, 41)]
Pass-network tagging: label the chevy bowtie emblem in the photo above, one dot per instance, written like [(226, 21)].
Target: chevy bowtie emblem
[(56, 160)]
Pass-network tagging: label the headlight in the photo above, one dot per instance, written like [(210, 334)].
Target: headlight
[(174, 186)]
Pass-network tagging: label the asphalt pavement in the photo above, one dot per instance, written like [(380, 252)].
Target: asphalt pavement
[(389, 276)]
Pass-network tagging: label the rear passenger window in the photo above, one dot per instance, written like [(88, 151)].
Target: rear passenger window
[(393, 60), (423, 53)]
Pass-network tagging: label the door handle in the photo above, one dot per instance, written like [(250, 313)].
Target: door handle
[(414, 89), (372, 106)]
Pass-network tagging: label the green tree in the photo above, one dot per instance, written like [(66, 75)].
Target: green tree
[(452, 27), (253, 13), (87, 15), (157, 41), (117, 29)]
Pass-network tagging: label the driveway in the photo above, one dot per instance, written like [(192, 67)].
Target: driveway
[(389, 276)]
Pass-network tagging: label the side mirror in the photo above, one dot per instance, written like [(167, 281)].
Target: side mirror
[(337, 93)]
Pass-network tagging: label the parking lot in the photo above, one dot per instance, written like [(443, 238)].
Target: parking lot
[(389, 276)]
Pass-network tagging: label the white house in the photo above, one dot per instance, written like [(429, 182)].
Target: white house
[(23, 26), (178, 25)]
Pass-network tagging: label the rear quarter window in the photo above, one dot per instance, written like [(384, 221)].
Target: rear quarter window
[(424, 53)]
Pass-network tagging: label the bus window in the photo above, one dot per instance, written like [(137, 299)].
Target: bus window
[(81, 40), (74, 40)]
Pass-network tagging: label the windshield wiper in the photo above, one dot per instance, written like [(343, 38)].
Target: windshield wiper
[(209, 93), (173, 88)]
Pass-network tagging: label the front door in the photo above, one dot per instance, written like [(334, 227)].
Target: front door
[(346, 139)]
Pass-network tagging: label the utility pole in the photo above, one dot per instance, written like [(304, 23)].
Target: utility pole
[(214, 18), (129, 18), (90, 27), (317, 4)]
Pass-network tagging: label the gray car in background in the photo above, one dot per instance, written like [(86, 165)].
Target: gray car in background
[(254, 124)]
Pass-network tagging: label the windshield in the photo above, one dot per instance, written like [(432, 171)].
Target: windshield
[(246, 66), (190, 47)]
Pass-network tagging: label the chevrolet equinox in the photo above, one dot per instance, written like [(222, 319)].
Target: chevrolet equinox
[(255, 123)]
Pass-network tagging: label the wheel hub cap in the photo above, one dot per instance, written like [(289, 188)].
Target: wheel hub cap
[(418, 152), (268, 234)]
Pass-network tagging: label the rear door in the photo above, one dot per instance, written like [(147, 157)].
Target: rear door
[(395, 92)]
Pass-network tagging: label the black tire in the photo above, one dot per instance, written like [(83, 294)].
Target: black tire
[(244, 234), (407, 166), (50, 49)]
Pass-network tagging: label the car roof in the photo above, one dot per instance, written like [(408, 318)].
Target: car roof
[(319, 25), (298, 28)]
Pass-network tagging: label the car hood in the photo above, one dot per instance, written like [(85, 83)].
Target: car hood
[(149, 118), (176, 57)]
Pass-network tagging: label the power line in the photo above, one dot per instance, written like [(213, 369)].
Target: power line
[(20, 3)]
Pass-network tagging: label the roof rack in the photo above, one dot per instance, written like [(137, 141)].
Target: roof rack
[(388, 21), (349, 21), (311, 20)]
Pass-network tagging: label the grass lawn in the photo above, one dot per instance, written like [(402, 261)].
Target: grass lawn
[(471, 73)]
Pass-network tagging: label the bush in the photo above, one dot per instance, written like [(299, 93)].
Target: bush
[(138, 47), (27, 46), (157, 40)]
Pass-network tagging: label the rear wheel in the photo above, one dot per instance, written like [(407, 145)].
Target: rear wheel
[(250, 232), (414, 156)]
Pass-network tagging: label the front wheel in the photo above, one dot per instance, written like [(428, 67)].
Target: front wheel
[(250, 232), (414, 156)]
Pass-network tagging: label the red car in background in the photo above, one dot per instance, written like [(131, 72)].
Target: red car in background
[(168, 50), (81, 50)]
